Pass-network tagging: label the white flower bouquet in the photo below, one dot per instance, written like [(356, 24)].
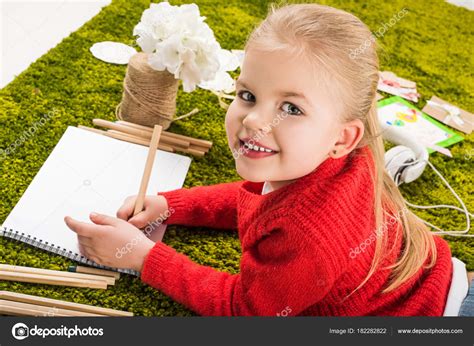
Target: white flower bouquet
[(176, 39)]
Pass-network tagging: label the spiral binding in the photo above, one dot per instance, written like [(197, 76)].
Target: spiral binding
[(44, 245)]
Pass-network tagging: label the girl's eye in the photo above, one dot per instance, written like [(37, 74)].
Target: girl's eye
[(291, 109), (287, 107), (246, 96)]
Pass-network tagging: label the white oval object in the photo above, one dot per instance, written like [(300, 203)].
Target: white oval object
[(112, 52)]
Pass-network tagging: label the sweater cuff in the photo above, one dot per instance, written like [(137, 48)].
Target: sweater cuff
[(176, 206), (155, 262)]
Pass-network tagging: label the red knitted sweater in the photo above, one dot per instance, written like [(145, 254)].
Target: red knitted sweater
[(305, 247)]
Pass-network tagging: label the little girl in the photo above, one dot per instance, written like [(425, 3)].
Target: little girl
[(323, 228)]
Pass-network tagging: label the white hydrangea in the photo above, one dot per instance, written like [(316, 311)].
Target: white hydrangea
[(223, 81), (177, 39)]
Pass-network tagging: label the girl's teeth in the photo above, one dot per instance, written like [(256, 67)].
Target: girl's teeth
[(257, 148)]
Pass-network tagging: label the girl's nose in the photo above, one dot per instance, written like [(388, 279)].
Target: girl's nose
[(258, 121)]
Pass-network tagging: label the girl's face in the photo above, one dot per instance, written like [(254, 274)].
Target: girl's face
[(282, 106)]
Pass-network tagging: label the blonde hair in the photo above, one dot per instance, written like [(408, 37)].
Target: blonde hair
[(343, 47)]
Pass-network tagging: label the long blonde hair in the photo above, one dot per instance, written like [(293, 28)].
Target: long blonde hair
[(341, 46)]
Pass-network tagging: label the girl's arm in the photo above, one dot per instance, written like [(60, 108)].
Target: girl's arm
[(210, 206), (279, 275)]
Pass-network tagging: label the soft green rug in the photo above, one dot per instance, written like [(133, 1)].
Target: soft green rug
[(429, 45)]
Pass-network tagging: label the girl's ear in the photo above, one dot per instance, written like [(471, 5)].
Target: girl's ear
[(349, 136)]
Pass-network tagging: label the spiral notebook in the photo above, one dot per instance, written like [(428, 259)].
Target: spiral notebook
[(87, 172)]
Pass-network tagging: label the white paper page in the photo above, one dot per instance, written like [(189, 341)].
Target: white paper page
[(88, 172)]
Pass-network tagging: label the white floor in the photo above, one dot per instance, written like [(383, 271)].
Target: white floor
[(28, 29), (469, 4)]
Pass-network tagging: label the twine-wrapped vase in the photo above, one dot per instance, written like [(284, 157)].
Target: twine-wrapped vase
[(149, 96)]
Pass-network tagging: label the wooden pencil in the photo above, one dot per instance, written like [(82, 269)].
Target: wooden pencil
[(51, 280), (125, 137), (91, 129), (136, 126), (198, 142), (55, 303), (195, 141), (21, 269), (25, 309), (139, 133), (193, 150), (95, 271), (148, 167), (196, 147), (147, 134), (114, 126), (138, 140), (173, 143), (146, 142)]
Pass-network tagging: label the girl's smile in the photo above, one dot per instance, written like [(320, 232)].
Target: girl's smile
[(255, 150)]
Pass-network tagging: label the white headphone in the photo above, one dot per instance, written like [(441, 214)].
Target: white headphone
[(406, 162)]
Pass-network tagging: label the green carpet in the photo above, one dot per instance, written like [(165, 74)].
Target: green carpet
[(70, 87)]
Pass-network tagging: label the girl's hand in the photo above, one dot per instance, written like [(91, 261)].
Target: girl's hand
[(111, 242), (155, 209)]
